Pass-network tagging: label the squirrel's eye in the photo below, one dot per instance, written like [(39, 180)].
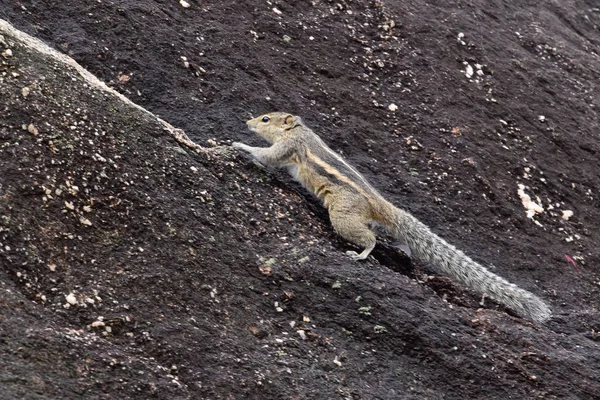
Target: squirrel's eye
[(266, 119)]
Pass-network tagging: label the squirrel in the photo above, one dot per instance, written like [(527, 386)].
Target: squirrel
[(355, 207)]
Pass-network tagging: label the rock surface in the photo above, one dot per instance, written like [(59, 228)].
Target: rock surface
[(134, 265)]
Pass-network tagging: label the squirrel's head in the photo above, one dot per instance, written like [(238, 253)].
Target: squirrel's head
[(273, 125)]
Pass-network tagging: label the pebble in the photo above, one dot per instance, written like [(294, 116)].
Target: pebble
[(184, 4), (32, 129), (71, 299), (392, 107), (85, 221), (7, 53), (531, 206), (469, 71), (566, 214), (185, 61)]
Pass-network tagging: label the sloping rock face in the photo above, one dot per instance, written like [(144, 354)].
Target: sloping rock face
[(134, 264)]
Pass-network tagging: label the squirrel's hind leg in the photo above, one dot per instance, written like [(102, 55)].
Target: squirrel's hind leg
[(355, 229)]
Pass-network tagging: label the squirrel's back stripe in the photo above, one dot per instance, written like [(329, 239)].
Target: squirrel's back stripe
[(337, 174)]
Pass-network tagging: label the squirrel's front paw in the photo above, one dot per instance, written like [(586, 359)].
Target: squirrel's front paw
[(242, 146)]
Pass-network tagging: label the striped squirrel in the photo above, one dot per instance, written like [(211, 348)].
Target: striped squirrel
[(355, 206)]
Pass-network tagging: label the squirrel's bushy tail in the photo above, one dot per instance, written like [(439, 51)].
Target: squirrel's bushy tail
[(426, 246)]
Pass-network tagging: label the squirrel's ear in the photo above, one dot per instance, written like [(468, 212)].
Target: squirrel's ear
[(289, 119)]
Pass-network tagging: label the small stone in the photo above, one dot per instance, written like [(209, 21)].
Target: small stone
[(97, 324), (380, 329), (69, 205), (469, 71), (566, 214), (185, 61), (541, 118), (25, 91), (71, 299), (184, 4), (87, 208), (392, 107), (302, 334), (32, 129), (7, 53), (276, 11), (85, 221)]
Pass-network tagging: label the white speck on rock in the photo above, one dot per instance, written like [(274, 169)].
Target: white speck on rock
[(392, 107), (531, 207), (566, 214), (469, 71), (185, 61), (85, 221), (71, 299), (184, 4), (32, 129)]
